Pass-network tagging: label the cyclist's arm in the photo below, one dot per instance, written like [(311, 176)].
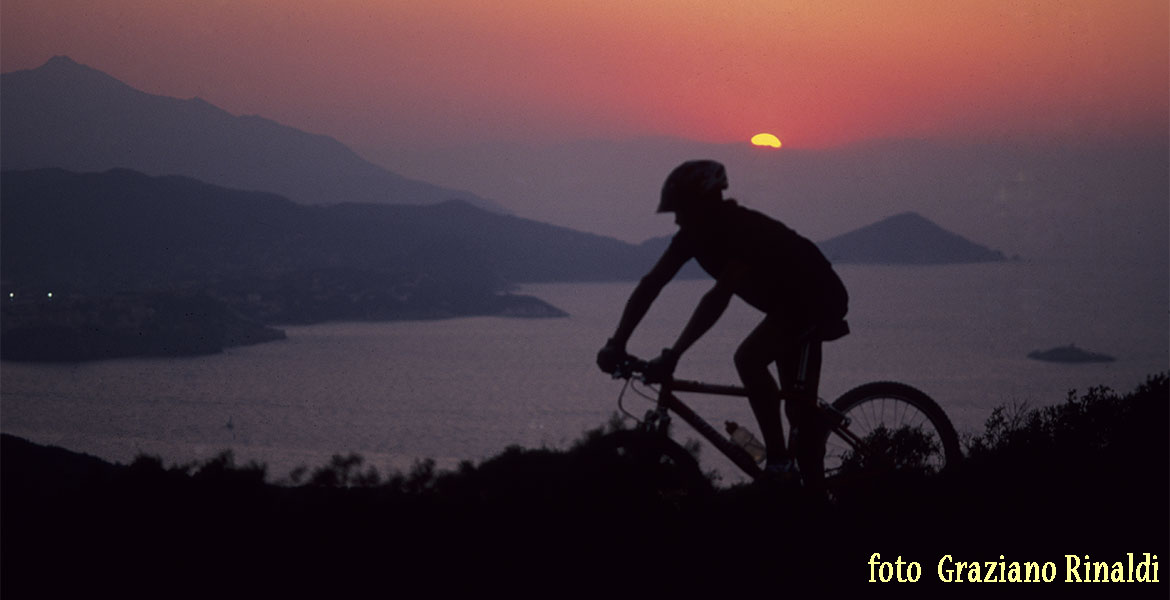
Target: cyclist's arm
[(710, 308), (647, 290)]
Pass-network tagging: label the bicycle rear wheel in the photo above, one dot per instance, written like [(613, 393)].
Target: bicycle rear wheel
[(891, 427)]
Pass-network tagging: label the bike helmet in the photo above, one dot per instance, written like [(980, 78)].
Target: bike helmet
[(694, 180)]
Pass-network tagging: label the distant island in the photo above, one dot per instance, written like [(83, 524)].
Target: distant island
[(74, 329), (903, 239), (104, 265), (1069, 354), (906, 239)]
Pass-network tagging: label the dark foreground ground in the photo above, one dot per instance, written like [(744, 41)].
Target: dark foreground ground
[(1088, 477)]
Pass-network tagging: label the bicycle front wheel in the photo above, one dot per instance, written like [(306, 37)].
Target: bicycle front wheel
[(890, 427), (638, 461)]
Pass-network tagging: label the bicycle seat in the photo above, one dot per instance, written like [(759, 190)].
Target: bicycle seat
[(827, 332)]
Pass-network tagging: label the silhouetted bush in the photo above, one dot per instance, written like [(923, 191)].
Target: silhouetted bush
[(909, 450), (345, 471), (1098, 423)]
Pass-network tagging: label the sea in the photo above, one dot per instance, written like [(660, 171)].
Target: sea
[(465, 389)]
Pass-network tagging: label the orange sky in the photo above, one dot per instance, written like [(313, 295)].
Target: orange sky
[(816, 73)]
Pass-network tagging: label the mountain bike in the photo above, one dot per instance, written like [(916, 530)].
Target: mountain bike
[(874, 429)]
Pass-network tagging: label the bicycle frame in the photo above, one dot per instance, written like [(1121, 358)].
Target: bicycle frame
[(667, 401)]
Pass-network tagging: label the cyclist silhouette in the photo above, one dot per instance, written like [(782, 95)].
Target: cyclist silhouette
[(773, 269)]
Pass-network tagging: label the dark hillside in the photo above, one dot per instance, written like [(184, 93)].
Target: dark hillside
[(1087, 477)]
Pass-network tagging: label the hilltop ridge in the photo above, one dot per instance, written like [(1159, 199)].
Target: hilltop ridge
[(548, 516)]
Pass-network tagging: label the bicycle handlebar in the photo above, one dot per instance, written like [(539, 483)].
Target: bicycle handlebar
[(633, 367), (630, 367)]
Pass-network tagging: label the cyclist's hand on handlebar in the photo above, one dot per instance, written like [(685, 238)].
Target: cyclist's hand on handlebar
[(611, 356), (662, 368)]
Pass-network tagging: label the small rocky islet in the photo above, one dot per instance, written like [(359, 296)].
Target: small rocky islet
[(1069, 354)]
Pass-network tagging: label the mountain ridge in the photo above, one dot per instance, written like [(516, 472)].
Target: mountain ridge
[(160, 230), (72, 116), (177, 228)]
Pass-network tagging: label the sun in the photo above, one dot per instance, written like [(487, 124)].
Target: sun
[(765, 139)]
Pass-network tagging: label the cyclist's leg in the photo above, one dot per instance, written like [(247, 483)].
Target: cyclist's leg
[(800, 372), (752, 358)]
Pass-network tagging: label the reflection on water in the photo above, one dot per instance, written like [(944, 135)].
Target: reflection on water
[(464, 389)]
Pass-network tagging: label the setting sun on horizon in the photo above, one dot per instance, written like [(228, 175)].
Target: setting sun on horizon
[(766, 140)]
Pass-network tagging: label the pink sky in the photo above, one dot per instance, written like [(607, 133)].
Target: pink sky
[(438, 73)]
